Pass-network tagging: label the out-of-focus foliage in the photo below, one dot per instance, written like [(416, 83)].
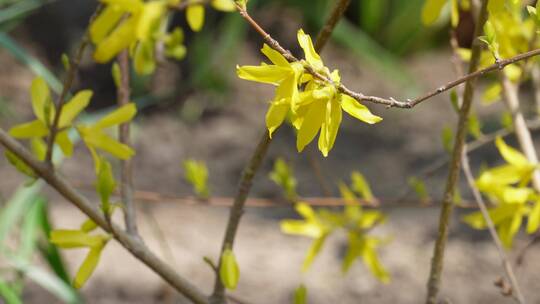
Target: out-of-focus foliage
[(283, 176), (354, 220), (24, 229), (508, 188), (196, 173)]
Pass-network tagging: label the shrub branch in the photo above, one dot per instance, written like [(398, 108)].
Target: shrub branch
[(448, 202), (134, 245)]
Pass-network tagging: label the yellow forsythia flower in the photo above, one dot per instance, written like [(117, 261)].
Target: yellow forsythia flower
[(318, 107)]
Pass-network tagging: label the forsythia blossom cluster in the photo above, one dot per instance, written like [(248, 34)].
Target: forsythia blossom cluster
[(315, 105), (141, 26)]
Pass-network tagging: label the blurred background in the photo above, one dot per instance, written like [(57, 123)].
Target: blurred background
[(198, 109)]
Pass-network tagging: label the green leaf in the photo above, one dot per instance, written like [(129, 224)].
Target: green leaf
[(283, 176), (99, 140), (313, 251), (9, 294), (35, 128), (105, 184), (229, 271), (75, 239), (19, 164), (30, 229), (348, 196), (447, 137), (116, 74), (14, 210), (65, 144), (196, 173), (298, 227), (474, 126), (66, 62), (88, 225), (369, 256), (300, 295), (48, 281), (50, 252), (87, 267), (39, 148), (41, 99), (420, 188), (361, 186)]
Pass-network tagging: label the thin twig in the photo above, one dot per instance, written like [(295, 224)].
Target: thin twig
[(134, 245), (68, 83), (126, 187), (448, 204), (389, 102), (511, 100), (236, 211), (492, 230)]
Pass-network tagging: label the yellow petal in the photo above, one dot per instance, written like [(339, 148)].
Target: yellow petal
[(224, 5), (118, 116), (130, 6), (271, 74), (311, 125), (330, 127), (74, 107), (511, 155), (431, 11), (118, 40), (275, 116), (151, 14), (357, 110), (104, 23), (144, 62), (35, 128), (274, 56), (195, 17), (534, 219), (311, 55)]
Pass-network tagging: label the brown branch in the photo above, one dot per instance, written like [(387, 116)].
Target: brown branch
[(126, 187), (389, 102), (134, 245), (492, 230), (448, 204), (68, 83), (326, 32), (218, 294)]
